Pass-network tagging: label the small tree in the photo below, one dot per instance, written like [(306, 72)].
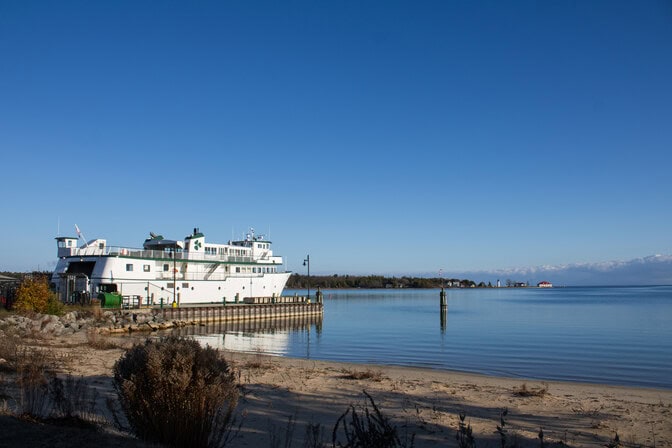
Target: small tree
[(34, 295), (177, 393)]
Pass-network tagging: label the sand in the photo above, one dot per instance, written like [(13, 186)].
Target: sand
[(421, 402)]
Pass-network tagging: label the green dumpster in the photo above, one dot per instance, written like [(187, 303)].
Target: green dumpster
[(109, 300)]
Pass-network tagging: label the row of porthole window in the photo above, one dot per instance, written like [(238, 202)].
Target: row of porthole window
[(166, 268), (186, 286)]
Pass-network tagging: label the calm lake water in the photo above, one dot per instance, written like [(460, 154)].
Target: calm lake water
[(612, 335)]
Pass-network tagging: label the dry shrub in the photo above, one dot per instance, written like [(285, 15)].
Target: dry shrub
[(369, 374), (371, 430), (33, 369), (34, 372), (9, 352), (72, 398), (257, 363), (93, 310), (523, 391), (99, 342), (177, 393), (465, 435)]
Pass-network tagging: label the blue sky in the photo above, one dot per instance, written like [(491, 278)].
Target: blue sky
[(379, 137)]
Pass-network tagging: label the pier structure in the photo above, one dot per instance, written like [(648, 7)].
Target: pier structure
[(204, 315), (253, 309)]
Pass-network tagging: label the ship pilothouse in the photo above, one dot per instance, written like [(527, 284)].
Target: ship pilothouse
[(190, 271)]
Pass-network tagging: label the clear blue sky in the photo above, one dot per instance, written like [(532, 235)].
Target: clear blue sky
[(378, 137)]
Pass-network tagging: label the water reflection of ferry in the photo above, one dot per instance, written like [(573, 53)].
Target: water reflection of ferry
[(270, 336)]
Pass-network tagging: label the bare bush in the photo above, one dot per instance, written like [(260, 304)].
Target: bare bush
[(524, 391), (314, 437), (369, 374), (371, 430), (176, 393), (34, 371), (10, 350), (72, 398), (465, 435), (99, 342)]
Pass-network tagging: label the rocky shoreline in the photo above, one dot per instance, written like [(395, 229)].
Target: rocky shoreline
[(106, 322)]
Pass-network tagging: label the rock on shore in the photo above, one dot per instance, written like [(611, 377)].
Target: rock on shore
[(117, 321)]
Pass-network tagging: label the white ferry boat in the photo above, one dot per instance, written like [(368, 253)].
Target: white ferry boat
[(192, 271)]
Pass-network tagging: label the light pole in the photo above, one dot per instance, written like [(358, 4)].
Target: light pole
[(172, 254), (306, 262)]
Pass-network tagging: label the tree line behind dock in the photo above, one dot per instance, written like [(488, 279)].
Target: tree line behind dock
[(298, 281)]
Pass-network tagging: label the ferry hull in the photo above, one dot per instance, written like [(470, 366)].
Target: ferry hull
[(183, 289), (192, 271)]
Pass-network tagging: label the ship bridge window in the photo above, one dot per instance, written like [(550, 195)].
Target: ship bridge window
[(129, 267), (112, 287)]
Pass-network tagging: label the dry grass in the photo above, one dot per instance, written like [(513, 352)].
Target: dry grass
[(256, 364), (364, 427), (368, 374), (259, 362), (34, 370), (93, 311), (524, 391), (99, 342)]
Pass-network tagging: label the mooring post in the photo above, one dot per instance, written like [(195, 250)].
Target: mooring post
[(442, 295)]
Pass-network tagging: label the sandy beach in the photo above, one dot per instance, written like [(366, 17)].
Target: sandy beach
[(421, 402)]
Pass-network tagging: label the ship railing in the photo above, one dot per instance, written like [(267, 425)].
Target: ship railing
[(179, 256), (169, 255), (194, 276)]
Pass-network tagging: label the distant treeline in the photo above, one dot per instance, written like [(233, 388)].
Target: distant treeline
[(298, 281), (21, 275)]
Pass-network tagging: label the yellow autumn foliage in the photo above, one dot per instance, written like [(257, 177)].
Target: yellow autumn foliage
[(34, 295)]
